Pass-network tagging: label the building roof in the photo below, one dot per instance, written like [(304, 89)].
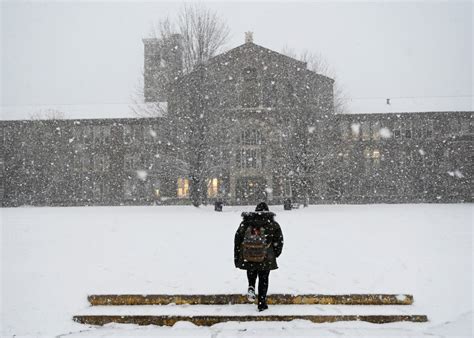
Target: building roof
[(250, 46), (84, 111)]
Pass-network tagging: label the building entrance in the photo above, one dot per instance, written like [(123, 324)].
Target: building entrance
[(251, 189)]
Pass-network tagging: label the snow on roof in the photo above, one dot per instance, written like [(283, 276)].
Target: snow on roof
[(408, 104), (83, 111), (137, 110)]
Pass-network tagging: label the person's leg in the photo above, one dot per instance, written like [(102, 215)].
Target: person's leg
[(262, 289), (252, 278)]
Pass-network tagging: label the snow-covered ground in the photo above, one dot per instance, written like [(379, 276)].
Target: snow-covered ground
[(52, 258)]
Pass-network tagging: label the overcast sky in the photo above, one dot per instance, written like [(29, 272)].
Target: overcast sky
[(90, 53)]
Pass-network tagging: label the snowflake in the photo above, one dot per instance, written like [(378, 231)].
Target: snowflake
[(355, 128), (385, 132), (142, 174)]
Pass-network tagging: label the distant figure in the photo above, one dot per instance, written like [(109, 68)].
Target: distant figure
[(258, 242)]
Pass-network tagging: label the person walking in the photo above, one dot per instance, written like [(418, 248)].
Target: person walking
[(258, 243)]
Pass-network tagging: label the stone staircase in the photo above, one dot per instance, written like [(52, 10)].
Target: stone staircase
[(207, 310)]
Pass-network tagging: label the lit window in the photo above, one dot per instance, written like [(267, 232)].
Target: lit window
[(183, 187), (157, 193), (376, 157), (212, 187)]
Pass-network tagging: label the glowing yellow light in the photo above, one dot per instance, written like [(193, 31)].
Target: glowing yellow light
[(212, 187), (183, 187)]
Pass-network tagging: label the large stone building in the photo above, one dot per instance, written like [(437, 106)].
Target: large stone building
[(250, 124)]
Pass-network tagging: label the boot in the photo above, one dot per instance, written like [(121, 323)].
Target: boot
[(251, 294), (262, 305)]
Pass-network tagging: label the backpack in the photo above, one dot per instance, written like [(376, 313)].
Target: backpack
[(254, 247)]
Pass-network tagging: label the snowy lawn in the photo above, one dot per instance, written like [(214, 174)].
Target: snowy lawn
[(52, 258)]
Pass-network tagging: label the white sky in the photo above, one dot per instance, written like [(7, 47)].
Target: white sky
[(90, 54)]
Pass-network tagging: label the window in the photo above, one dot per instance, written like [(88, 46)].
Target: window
[(465, 126), (397, 133), (213, 187), (376, 157), (372, 156), (183, 187), (97, 134), (77, 134), (138, 134), (96, 191), (454, 126), (88, 135), (270, 92), (156, 187), (101, 134), (428, 128), (355, 128), (376, 130), (77, 163), (365, 126), (408, 133), (87, 164), (127, 134), (106, 162), (250, 94), (251, 137), (417, 133), (150, 134), (129, 189), (128, 162), (249, 154), (248, 159), (367, 153), (344, 127), (98, 163)]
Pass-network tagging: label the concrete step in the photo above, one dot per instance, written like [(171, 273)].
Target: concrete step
[(223, 299), (170, 320), (247, 310)]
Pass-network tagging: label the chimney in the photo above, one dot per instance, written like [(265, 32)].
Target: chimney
[(248, 37)]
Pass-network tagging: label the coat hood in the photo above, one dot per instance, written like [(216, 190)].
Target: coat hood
[(258, 215)]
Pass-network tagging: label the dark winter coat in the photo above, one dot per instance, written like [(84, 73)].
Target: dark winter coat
[(273, 236)]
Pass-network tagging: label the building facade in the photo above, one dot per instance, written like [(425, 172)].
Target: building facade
[(249, 125)]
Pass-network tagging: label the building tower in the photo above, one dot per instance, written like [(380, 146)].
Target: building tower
[(163, 64)]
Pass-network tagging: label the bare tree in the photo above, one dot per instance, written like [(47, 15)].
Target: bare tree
[(203, 34), (310, 157), (47, 114), (318, 64)]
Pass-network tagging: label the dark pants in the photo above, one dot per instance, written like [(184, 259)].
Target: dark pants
[(262, 282)]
